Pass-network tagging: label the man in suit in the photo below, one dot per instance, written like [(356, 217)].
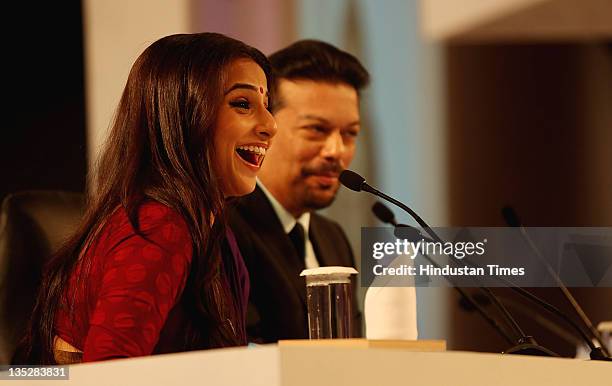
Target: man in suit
[(316, 107)]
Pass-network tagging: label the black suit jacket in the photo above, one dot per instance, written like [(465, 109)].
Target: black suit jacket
[(277, 302)]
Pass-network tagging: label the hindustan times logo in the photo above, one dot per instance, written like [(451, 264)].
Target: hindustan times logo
[(422, 247)]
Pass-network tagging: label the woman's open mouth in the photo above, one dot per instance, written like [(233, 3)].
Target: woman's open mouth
[(251, 154)]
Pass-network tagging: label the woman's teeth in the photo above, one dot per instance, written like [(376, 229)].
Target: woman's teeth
[(254, 149), (251, 154)]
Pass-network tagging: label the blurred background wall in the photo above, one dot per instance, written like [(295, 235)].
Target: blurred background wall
[(527, 90), (473, 105)]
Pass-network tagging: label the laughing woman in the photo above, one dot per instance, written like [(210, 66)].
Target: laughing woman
[(153, 268)]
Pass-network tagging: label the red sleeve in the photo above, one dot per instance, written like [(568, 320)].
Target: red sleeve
[(142, 280)]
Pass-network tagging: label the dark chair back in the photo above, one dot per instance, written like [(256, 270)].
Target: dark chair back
[(33, 225)]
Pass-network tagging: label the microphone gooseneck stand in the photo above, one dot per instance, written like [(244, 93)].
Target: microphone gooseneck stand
[(512, 219), (526, 345)]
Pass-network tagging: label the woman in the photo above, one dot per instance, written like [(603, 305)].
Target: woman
[(152, 269)]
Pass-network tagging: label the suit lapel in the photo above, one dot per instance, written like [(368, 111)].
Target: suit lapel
[(279, 252)]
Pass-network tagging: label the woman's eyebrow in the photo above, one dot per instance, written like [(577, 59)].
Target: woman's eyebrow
[(246, 86)]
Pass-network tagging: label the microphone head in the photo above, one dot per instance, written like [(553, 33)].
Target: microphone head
[(383, 213), (510, 216), (351, 180), (406, 232)]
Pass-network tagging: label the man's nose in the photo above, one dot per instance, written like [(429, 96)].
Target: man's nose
[(334, 146)]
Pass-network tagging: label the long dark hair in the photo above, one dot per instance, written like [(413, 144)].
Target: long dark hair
[(160, 147)]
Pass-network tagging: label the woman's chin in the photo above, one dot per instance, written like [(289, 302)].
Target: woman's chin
[(241, 188)]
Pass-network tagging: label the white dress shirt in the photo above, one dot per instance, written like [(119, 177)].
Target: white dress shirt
[(288, 222)]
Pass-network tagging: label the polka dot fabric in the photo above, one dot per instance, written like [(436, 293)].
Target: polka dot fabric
[(134, 283)]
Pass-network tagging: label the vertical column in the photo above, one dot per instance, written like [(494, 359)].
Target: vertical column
[(115, 33), (408, 148), (403, 147)]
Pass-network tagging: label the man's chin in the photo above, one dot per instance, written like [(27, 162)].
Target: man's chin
[(319, 200)]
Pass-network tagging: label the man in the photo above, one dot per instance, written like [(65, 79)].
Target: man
[(316, 107)]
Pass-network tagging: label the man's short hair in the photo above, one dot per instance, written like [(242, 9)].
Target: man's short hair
[(320, 62)]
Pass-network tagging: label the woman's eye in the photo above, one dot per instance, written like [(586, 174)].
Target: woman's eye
[(241, 104)]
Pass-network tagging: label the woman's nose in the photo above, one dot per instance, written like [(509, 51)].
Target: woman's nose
[(266, 128)]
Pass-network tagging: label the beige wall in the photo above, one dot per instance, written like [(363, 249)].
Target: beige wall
[(442, 19), (518, 20), (115, 33)]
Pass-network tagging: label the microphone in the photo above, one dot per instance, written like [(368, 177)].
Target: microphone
[(513, 220), (511, 217), (402, 231), (383, 213), (352, 180), (357, 183), (526, 344)]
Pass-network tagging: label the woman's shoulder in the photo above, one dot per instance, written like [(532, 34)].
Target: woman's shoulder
[(149, 214), (155, 223), (152, 213)]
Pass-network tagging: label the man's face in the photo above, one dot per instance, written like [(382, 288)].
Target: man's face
[(318, 124)]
